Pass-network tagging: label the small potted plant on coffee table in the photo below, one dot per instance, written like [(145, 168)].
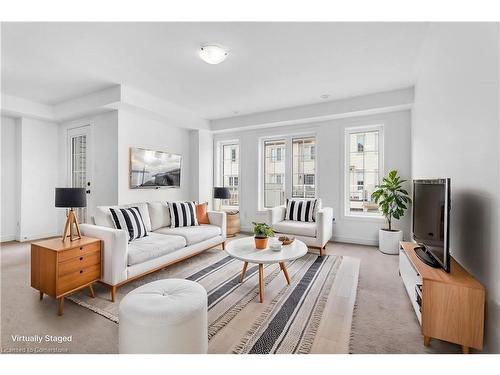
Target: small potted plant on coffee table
[(392, 200), (262, 232)]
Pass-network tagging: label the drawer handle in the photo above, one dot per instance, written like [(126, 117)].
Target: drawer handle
[(81, 248), (81, 258), (81, 271)]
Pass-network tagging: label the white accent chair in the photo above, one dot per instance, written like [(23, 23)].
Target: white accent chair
[(164, 317), (314, 234)]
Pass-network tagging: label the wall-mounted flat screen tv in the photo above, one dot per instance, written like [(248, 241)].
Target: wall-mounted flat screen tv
[(154, 169)]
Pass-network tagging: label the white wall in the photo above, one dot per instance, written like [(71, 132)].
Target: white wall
[(456, 134), (39, 159), (330, 166), (201, 151), (135, 130), (103, 145), (9, 178)]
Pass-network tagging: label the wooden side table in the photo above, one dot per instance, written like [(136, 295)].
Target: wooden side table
[(59, 268), (233, 223)]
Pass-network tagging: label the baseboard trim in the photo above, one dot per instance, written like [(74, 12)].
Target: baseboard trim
[(357, 241), (8, 237), (38, 237)]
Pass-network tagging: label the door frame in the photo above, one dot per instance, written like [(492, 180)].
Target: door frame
[(75, 131)]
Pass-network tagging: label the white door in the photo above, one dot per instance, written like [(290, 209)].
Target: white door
[(79, 165)]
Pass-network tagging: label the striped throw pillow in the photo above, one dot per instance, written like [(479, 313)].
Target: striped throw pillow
[(300, 209), (182, 214), (129, 219)]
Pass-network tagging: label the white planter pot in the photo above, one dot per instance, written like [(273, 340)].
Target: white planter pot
[(388, 241)]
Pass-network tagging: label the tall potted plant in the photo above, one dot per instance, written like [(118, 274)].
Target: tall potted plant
[(392, 200), (262, 232)]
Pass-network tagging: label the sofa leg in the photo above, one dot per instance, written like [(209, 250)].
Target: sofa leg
[(224, 245), (322, 251), (113, 293)]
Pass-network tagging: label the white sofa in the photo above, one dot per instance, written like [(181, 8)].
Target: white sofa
[(314, 234), (124, 261)]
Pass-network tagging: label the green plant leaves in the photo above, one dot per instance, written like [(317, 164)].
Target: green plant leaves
[(391, 198), (262, 230)]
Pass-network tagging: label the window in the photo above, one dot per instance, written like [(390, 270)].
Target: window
[(274, 173), (304, 167), (230, 172), (363, 166)]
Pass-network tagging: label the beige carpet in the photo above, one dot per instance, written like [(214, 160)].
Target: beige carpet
[(383, 321), (295, 318)]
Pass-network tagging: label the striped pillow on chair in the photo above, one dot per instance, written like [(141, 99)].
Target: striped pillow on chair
[(301, 209), (129, 219), (182, 214)]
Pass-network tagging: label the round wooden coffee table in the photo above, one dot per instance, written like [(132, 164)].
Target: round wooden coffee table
[(244, 249)]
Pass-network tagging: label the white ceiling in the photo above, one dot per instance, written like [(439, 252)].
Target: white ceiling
[(270, 65)]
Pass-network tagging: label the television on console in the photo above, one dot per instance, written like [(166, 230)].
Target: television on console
[(431, 221), (154, 169)]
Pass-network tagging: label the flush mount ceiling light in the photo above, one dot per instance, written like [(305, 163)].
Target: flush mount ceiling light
[(212, 54), (325, 96)]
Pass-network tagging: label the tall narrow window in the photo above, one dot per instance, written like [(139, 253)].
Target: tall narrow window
[(363, 155), (274, 173), (304, 167), (230, 172), (79, 169)]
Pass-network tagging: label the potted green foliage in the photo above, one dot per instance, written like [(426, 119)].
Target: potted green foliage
[(262, 232), (392, 201)]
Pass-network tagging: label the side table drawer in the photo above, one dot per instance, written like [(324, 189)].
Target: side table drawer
[(76, 264), (79, 251), (75, 279)]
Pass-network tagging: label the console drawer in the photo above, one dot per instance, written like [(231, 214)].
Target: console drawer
[(79, 251), (76, 264), (76, 279)]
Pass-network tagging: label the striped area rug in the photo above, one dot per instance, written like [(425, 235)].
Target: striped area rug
[(287, 321)]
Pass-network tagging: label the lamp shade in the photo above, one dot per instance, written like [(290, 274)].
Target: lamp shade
[(222, 193), (71, 197)]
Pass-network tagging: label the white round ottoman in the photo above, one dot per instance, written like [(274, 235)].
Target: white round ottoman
[(165, 316)]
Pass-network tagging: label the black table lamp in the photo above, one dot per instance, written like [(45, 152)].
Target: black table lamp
[(71, 198), (221, 193)]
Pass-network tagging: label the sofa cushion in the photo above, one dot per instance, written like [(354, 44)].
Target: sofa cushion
[(130, 220), (153, 246), (103, 218), (193, 234), (160, 215), (182, 214), (298, 228)]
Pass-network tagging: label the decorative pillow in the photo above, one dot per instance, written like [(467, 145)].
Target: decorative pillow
[(103, 215), (301, 210), (182, 214), (160, 215), (129, 219), (201, 213)]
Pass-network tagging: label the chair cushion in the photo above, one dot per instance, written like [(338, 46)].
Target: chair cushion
[(193, 234), (301, 209), (298, 228), (160, 215), (153, 246)]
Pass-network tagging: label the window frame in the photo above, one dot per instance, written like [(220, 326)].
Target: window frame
[(381, 151), (288, 150), (262, 172), (220, 169), (311, 159)]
